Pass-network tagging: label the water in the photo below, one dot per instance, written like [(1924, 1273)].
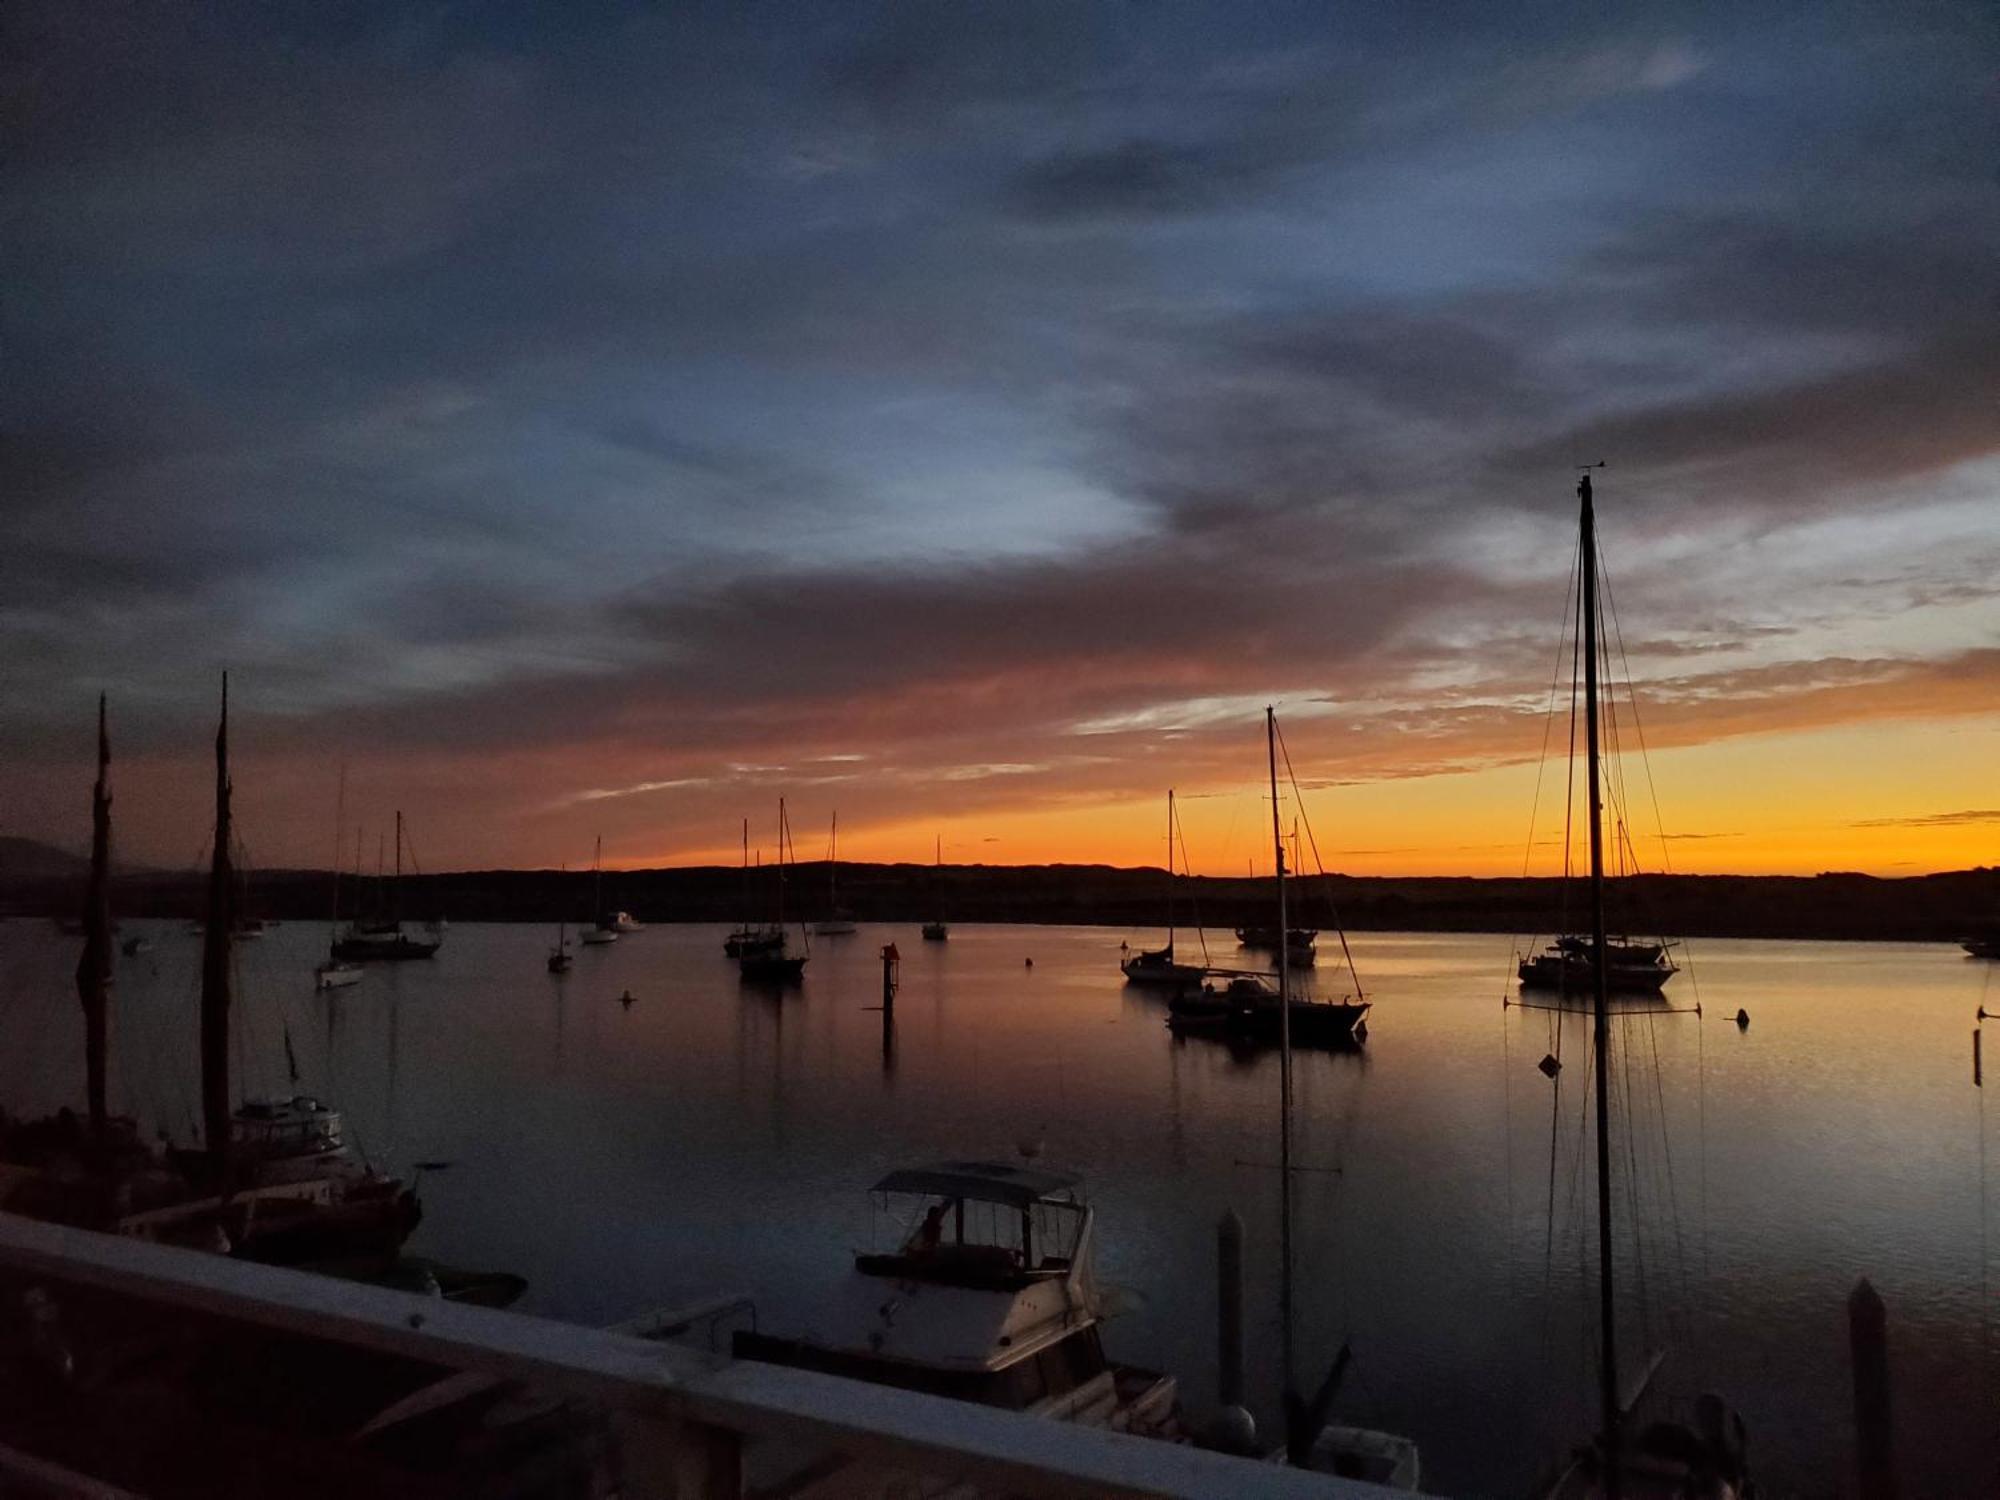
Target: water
[(715, 1139)]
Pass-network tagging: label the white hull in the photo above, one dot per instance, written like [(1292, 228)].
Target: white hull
[(337, 976), (597, 937)]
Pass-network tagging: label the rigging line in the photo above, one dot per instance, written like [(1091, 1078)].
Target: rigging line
[(1672, 1186), (1194, 890), (1548, 730), (1632, 1181), (1507, 1127), (1985, 1293), (1333, 907), (1569, 791), (1646, 764)]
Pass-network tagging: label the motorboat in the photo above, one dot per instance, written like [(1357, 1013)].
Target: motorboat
[(987, 1294)]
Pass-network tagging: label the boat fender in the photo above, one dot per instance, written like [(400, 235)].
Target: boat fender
[(1742, 1020), (1232, 1430)]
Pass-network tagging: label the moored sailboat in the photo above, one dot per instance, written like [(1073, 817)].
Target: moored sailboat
[(382, 937), (272, 1181), (768, 959), (560, 957), (1158, 966), (1247, 1007), (935, 931), (598, 933), (836, 923), (333, 972), (1666, 1460)]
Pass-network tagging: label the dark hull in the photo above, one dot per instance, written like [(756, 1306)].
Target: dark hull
[(1158, 973), (363, 950), (771, 968), (1267, 937), (1313, 1023), (358, 1230), (1578, 976), (745, 943), (1982, 947)]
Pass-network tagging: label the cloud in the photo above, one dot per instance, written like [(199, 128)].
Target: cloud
[(1960, 819), (662, 405), (1140, 178)]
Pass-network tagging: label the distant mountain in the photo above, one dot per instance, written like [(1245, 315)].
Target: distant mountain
[(24, 861)]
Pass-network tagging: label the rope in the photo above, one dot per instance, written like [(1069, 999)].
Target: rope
[(1333, 909), (1541, 763)]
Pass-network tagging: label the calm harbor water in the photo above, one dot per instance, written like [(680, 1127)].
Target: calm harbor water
[(715, 1138)]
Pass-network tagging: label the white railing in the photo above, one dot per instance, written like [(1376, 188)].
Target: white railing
[(680, 1417)]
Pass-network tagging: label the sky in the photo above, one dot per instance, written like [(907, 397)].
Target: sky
[(579, 421)]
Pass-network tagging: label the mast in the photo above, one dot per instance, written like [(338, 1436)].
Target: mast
[(93, 968), (781, 864), (215, 961), (1600, 1004), (746, 875), (396, 890), (339, 819), (597, 882), (1170, 869), (833, 866), (1290, 1389)]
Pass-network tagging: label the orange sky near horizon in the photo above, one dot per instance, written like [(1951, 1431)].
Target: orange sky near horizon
[(1849, 798)]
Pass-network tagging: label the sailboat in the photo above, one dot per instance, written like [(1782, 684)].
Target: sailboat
[(334, 972), (937, 932), (836, 923), (273, 1179), (1249, 1007), (769, 961), (747, 938), (382, 937), (1666, 1459), (613, 922), (598, 933), (560, 957), (1157, 966)]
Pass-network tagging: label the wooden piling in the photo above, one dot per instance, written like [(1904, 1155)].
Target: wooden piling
[(1874, 1435), (1229, 1308)]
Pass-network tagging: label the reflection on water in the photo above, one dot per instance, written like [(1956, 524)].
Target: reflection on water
[(715, 1138)]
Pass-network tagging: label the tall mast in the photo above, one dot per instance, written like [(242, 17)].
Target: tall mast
[(781, 864), (1600, 1005), (833, 864), (1170, 869), (396, 890), (215, 961), (747, 908), (93, 968), (339, 819), (597, 883), (1291, 1392)]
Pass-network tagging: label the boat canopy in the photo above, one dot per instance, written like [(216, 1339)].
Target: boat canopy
[(982, 1182)]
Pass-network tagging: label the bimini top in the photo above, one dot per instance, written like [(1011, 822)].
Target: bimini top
[(981, 1181)]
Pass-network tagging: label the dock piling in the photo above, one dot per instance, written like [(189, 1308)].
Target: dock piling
[(1874, 1433)]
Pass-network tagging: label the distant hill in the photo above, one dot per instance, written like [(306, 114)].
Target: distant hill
[(26, 860), (1924, 908)]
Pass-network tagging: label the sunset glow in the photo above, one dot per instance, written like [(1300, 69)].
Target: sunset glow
[(908, 420)]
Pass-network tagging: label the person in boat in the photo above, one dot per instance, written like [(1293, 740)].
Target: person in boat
[(930, 1233)]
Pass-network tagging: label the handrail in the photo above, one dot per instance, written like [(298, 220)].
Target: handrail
[(679, 1408)]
